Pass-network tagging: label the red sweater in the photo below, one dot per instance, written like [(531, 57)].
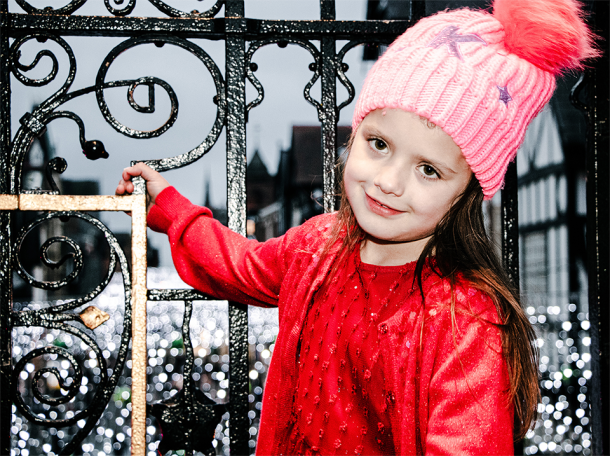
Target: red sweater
[(458, 369)]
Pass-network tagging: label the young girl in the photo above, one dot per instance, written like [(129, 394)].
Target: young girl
[(399, 331)]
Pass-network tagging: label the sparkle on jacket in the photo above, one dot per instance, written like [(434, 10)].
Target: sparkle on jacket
[(460, 370)]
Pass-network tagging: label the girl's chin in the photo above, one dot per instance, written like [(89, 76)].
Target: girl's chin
[(389, 238), (384, 238)]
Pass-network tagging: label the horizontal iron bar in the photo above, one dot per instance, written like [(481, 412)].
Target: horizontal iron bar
[(217, 28), (77, 203), (180, 294), (37, 202), (9, 202)]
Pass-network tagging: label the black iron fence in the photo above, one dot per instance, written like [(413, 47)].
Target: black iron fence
[(189, 409)]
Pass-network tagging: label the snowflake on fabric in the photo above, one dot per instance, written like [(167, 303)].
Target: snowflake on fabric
[(450, 38)]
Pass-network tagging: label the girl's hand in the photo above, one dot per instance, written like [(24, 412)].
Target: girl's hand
[(155, 183)]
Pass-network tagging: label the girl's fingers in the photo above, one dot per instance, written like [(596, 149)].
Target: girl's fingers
[(155, 183), (130, 172), (124, 187)]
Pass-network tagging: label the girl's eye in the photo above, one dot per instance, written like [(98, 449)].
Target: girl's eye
[(429, 171), (378, 144)]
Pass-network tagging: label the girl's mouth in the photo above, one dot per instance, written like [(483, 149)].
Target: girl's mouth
[(380, 208)]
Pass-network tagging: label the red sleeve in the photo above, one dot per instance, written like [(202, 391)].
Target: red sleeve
[(469, 412), (215, 260)]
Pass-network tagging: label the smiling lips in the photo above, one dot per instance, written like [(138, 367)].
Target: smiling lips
[(379, 208)]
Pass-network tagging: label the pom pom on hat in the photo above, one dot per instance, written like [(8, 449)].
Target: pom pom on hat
[(481, 77), (548, 34)]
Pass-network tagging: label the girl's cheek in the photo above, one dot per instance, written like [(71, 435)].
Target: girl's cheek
[(356, 168)]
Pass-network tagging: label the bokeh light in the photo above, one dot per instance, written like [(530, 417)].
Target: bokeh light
[(166, 358)]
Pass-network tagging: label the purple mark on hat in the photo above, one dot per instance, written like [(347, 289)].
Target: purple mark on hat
[(450, 38), (504, 95)]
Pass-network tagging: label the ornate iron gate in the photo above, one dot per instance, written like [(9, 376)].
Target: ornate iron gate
[(242, 38)]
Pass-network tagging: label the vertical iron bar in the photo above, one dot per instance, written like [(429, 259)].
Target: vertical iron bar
[(139, 352), (328, 117), (329, 121), (598, 227), (235, 9), (510, 224), (327, 10), (5, 245), (187, 371), (418, 10), (510, 238), (235, 47)]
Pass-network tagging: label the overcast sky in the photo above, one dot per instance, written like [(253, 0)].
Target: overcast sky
[(283, 73)]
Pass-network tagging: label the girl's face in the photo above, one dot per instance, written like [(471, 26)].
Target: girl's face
[(402, 177)]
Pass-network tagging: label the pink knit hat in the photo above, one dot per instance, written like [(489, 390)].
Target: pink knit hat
[(480, 77)]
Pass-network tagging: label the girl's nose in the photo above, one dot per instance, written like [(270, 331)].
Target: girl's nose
[(391, 180)]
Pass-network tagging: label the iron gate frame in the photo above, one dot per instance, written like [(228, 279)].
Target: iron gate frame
[(136, 205), (237, 31)]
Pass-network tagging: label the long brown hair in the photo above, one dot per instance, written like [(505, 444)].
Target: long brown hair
[(460, 244)]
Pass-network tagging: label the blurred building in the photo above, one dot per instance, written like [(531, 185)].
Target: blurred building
[(219, 213), (552, 218), (294, 194)]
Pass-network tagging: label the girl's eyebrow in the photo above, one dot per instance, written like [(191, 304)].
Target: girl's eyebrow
[(374, 131), (370, 130)]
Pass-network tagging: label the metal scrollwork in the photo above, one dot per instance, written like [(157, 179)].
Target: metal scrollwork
[(219, 99), (150, 82), (17, 67), (173, 12), (67, 9), (71, 388), (76, 255), (124, 11), (35, 123), (58, 317), (251, 67), (151, 96), (59, 165), (342, 68)]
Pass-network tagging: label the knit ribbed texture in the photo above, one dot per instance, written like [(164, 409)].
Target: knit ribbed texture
[(453, 69)]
